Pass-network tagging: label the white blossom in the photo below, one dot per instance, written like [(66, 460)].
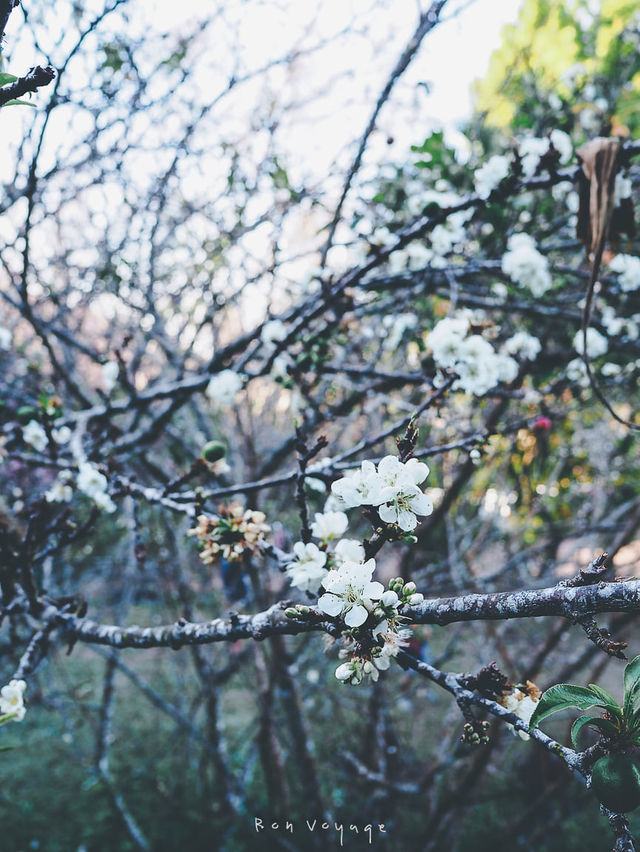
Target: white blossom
[(473, 358), (307, 570), (445, 237), (110, 373), (597, 344), (353, 489), (94, 484), (329, 525), (272, 332), (622, 189), (350, 592), (530, 150), (224, 386), (34, 435), (628, 269), (476, 377), (62, 435), (61, 491), (446, 338), (12, 699), (398, 497), (490, 175), (523, 706), (103, 501), (348, 550), (577, 372), (613, 323), (395, 327), (344, 672), (561, 141), (506, 366), (524, 264), (523, 344), (6, 338)]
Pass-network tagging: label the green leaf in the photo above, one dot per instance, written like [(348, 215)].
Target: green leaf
[(7, 78), (629, 704), (603, 725), (18, 103), (7, 748), (631, 674), (562, 696), (610, 702)]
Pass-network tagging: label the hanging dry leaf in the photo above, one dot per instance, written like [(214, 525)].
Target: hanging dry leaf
[(600, 162)]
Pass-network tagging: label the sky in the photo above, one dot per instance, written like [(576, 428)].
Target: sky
[(327, 94)]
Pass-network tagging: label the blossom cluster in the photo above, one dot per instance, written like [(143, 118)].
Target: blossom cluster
[(35, 436), (94, 484), (311, 564), (229, 534), (532, 153), (89, 480), (352, 594), (224, 386), (443, 238), (524, 264), (627, 268), (372, 614), (478, 366), (392, 489), (522, 702), (338, 567), (489, 176), (12, 701)]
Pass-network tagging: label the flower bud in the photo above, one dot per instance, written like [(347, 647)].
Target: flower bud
[(389, 598), (291, 612), (409, 588), (344, 672), (416, 599), (213, 451), (542, 424)]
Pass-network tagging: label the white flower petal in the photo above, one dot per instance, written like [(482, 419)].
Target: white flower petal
[(356, 616), (331, 604), (373, 590)]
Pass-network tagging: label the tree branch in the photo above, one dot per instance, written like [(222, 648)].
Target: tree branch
[(32, 80)]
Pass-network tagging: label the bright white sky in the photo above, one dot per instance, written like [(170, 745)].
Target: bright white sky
[(327, 95)]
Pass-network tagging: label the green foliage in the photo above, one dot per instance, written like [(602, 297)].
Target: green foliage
[(615, 779), (562, 696), (561, 58), (620, 725)]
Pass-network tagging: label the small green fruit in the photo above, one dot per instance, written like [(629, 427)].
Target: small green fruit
[(213, 451), (615, 779)]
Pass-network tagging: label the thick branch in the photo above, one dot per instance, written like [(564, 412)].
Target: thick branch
[(6, 8), (529, 603), (32, 80)]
